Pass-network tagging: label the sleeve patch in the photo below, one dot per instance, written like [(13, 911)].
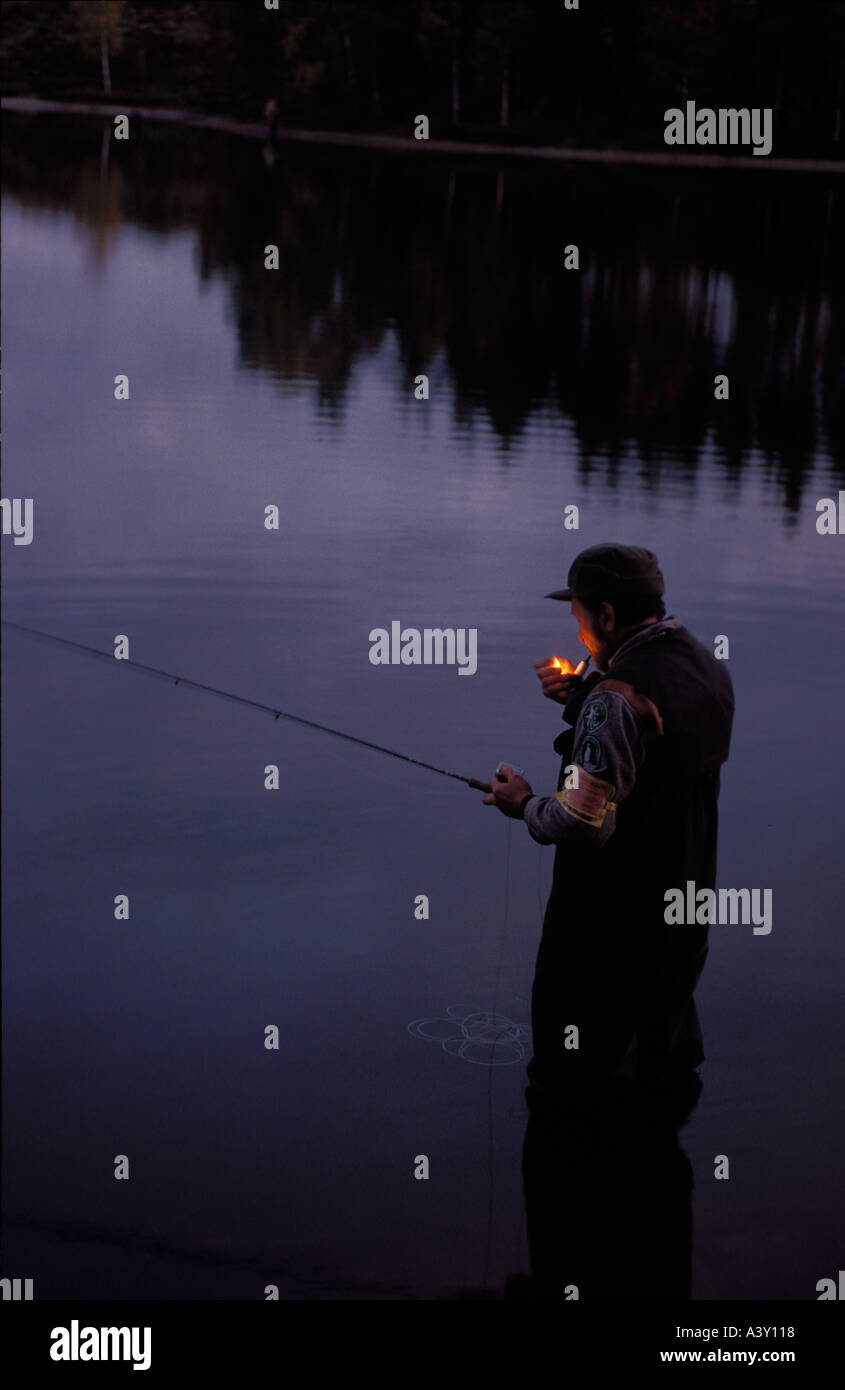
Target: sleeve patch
[(595, 714), (592, 754)]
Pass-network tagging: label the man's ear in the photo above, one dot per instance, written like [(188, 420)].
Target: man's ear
[(607, 617)]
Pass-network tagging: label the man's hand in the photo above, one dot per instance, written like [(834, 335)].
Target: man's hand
[(557, 683), (509, 794)]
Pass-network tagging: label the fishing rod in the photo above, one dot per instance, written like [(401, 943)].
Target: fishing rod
[(243, 700)]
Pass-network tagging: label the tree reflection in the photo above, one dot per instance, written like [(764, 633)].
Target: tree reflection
[(682, 276)]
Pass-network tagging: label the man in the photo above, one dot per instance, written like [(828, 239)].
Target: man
[(634, 815), (272, 115), (616, 1032)]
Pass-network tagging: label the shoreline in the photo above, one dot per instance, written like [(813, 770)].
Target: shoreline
[(400, 143)]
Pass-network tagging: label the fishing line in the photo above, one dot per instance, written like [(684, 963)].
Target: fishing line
[(243, 700), (542, 916), (491, 1184)]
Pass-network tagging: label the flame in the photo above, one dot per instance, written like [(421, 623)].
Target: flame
[(563, 665)]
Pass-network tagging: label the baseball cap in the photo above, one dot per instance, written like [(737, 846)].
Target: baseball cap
[(605, 570)]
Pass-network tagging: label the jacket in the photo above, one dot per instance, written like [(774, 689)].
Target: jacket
[(652, 734)]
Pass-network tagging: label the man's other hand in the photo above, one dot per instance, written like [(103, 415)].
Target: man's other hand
[(509, 794)]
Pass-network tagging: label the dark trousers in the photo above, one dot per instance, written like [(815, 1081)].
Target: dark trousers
[(608, 1189)]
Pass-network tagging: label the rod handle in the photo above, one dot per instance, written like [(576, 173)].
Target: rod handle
[(485, 786)]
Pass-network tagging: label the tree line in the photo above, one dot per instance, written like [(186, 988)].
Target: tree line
[(599, 75)]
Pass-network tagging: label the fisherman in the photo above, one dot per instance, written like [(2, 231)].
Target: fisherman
[(635, 814), (652, 728), (272, 115)]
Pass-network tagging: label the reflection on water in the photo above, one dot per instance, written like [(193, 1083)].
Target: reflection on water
[(294, 908), (682, 277)]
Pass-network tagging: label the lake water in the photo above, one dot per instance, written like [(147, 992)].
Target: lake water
[(295, 907)]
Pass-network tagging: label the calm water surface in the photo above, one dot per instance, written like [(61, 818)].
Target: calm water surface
[(296, 907)]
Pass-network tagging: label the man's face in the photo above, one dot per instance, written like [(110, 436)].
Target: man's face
[(596, 633)]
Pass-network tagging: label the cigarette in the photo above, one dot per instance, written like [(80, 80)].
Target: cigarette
[(579, 669)]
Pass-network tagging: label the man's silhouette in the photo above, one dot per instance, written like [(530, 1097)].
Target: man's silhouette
[(635, 814)]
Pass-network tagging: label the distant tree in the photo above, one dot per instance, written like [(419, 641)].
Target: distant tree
[(440, 31), (303, 69), (100, 27), (500, 35), (681, 43)]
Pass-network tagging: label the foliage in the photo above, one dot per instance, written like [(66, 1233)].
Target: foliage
[(599, 75)]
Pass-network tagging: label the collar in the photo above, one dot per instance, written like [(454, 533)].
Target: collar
[(572, 708), (643, 635)]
